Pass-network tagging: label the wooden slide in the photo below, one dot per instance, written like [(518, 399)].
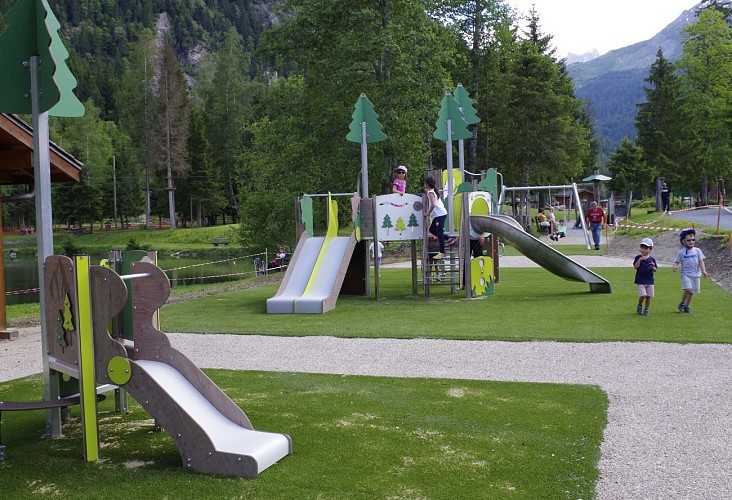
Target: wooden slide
[(212, 433)]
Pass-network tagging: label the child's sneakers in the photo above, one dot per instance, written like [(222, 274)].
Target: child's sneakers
[(681, 307), (438, 256), (451, 241), (687, 309), (639, 309), (646, 313)]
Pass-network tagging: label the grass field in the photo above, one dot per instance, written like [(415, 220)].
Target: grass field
[(529, 304), (354, 437)]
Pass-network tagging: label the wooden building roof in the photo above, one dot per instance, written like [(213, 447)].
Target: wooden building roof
[(16, 155)]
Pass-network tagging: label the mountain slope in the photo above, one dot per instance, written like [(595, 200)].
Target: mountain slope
[(613, 83)]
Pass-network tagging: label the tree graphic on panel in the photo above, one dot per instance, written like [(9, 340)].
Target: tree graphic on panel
[(400, 226), (413, 222), (387, 224)]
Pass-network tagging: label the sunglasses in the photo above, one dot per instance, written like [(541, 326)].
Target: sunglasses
[(401, 172), (690, 239), (645, 246)]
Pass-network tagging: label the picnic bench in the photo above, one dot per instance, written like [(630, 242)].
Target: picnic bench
[(540, 228), (220, 241)]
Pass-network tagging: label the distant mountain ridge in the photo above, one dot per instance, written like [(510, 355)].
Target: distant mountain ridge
[(613, 83)]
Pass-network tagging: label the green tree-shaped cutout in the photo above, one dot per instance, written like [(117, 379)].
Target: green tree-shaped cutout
[(466, 105), (413, 222), (364, 112), (387, 224), (32, 29), (450, 110), (400, 226)]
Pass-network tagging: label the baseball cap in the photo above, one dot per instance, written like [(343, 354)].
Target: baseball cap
[(647, 242), (402, 168)]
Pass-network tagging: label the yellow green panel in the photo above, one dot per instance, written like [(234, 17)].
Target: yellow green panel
[(119, 370), (481, 276), (330, 234), (479, 206), (87, 380)]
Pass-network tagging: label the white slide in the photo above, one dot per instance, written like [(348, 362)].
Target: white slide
[(325, 283), (297, 276), (226, 437), (538, 251)]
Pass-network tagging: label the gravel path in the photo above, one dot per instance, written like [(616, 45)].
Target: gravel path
[(670, 413)]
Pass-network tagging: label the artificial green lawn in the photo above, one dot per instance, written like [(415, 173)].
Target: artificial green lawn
[(529, 304), (353, 437)]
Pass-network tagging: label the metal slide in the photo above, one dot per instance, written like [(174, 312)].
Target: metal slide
[(316, 272), (297, 275), (544, 255), (325, 283)]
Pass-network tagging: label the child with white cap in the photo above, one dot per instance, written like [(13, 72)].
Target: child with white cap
[(645, 266), (400, 183)]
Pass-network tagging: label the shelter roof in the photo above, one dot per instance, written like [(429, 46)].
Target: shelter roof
[(16, 155), (597, 177)]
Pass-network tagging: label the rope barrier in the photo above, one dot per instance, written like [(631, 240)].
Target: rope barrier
[(21, 292), (214, 262)]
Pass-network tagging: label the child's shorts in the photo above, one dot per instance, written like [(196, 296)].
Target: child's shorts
[(691, 283), (645, 290)]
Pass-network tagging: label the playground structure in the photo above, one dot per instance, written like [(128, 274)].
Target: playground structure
[(321, 267), (212, 434)]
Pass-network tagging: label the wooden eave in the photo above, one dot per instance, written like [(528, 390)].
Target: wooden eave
[(16, 155)]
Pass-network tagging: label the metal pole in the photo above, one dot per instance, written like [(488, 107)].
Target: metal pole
[(364, 162), (44, 234), (450, 196), (581, 215), (114, 180)]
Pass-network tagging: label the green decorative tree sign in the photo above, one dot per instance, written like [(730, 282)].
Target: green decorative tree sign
[(32, 30), (365, 128)]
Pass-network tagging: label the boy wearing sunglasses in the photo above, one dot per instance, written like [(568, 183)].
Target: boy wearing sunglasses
[(691, 262)]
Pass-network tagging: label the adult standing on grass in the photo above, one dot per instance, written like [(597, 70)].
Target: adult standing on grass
[(690, 260), (595, 218), (435, 209), (645, 266)]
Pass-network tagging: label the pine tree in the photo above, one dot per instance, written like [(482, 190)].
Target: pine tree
[(660, 122), (173, 118)]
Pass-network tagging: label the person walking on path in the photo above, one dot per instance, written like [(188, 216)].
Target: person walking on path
[(645, 266), (435, 209), (665, 198), (690, 260), (595, 218)]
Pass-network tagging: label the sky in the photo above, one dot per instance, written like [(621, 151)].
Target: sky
[(579, 26)]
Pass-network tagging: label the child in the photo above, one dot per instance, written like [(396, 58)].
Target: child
[(400, 183), (379, 253), (561, 231), (691, 261), (645, 266), (435, 209)]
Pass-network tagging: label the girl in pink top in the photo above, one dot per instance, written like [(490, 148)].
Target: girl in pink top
[(400, 183)]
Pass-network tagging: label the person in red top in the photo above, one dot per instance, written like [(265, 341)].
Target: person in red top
[(595, 218)]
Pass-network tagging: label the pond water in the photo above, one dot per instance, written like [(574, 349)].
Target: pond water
[(21, 274)]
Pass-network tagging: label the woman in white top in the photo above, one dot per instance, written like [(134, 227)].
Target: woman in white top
[(436, 209)]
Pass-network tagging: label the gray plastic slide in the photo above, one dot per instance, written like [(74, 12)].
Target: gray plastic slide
[(544, 255), (261, 449), (297, 276), (328, 278)]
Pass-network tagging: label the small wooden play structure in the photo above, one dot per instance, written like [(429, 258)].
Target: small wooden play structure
[(84, 303)]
